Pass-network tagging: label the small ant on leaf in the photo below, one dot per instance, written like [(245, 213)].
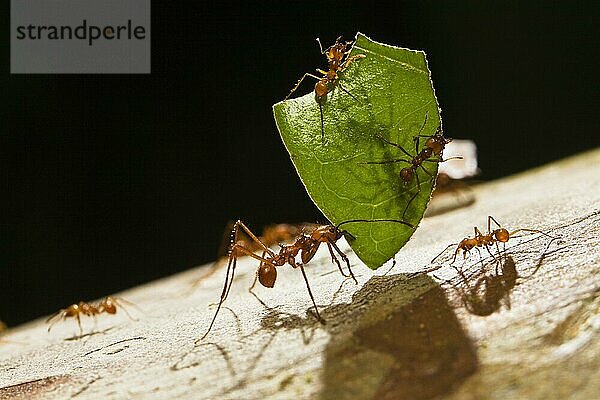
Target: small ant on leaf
[(338, 61), (305, 245), (107, 305), (432, 152), (485, 240)]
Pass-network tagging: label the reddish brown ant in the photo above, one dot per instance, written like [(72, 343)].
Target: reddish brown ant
[(305, 245), (107, 305), (272, 235), (338, 61), (432, 152), (485, 240)]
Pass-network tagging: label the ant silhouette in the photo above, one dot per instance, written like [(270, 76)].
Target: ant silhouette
[(306, 245), (338, 61), (432, 152), (107, 305), (485, 240), (486, 296)]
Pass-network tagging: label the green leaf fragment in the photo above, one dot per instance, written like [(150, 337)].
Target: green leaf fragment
[(394, 93)]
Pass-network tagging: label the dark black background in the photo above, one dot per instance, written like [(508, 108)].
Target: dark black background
[(109, 181)]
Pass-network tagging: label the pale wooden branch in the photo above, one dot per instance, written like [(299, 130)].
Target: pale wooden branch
[(398, 335)]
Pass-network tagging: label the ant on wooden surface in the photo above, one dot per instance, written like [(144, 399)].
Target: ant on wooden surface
[(305, 245), (485, 297), (338, 61), (485, 240), (271, 235), (107, 305), (432, 152)]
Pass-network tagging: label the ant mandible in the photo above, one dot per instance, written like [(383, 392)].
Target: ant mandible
[(432, 152), (485, 240), (338, 61), (304, 245), (107, 305)]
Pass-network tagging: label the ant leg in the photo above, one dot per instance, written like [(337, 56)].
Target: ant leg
[(299, 82), (443, 251), (248, 253), (56, 317), (490, 219), (418, 135), (119, 303), (480, 259), (424, 123), (427, 172), (541, 260), (255, 276), (414, 195), (386, 161), (500, 255), (79, 323), (253, 282), (532, 231), (226, 285), (229, 280), (416, 140), (252, 236), (346, 260), (310, 293), (448, 159), (120, 300), (322, 123), (350, 60), (395, 145), (490, 253), (477, 231), (336, 261), (456, 254), (346, 91), (321, 46)]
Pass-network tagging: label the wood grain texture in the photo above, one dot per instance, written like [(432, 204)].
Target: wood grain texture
[(392, 336)]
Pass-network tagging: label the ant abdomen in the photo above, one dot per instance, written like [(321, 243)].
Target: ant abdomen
[(406, 174), (321, 90), (267, 274)]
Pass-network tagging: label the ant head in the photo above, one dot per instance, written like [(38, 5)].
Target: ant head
[(406, 174), (334, 233), (72, 310), (502, 235), (436, 143), (109, 306), (267, 274), (327, 233)]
